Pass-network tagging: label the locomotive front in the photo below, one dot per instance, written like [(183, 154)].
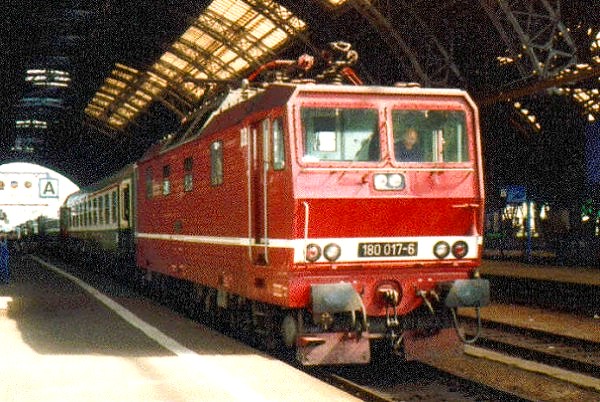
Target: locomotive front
[(388, 206)]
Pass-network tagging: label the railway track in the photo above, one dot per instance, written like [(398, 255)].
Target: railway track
[(412, 381), (575, 355)]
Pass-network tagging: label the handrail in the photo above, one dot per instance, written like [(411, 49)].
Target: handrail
[(306, 220)]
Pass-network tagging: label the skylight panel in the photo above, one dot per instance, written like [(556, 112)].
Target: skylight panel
[(110, 90), (192, 34), (125, 112), (232, 9), (93, 111), (260, 27), (335, 3), (104, 96), (170, 58), (239, 64), (140, 99), (165, 70), (116, 83), (226, 55), (100, 102), (186, 50), (151, 88), (124, 76), (142, 95), (116, 121), (130, 107)]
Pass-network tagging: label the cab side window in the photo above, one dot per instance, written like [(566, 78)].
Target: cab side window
[(149, 183), (166, 182), (188, 178), (216, 163), (278, 145)]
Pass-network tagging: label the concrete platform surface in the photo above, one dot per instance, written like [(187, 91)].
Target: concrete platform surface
[(63, 340)]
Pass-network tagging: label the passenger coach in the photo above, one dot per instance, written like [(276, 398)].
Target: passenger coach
[(98, 221)]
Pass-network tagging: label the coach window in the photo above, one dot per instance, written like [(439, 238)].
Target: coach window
[(95, 211), (101, 210), (216, 163), (88, 206), (188, 178), (84, 212), (166, 181), (125, 202), (106, 209), (278, 147), (113, 207), (149, 182)]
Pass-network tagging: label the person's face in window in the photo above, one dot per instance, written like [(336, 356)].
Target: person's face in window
[(410, 139)]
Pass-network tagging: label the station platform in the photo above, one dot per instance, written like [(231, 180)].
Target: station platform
[(586, 328), (554, 273), (64, 340), (541, 307)]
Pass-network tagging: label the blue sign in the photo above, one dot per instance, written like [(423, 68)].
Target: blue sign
[(515, 194), (592, 153)]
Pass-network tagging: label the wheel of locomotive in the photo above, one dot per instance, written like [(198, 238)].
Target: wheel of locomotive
[(267, 320), (144, 281), (194, 297), (241, 318), (210, 308)]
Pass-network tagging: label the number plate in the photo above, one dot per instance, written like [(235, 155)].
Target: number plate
[(388, 249)]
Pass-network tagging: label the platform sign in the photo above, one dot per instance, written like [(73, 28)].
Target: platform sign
[(592, 153), (515, 194), (48, 188)]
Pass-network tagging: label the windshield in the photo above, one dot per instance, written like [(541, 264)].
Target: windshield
[(340, 134), (429, 136), (349, 135)]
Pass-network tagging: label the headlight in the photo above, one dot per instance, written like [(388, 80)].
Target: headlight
[(396, 181), (441, 249), (313, 252), (332, 252), (388, 181), (460, 249), (380, 181)]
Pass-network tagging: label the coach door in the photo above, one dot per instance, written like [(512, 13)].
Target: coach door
[(258, 222)]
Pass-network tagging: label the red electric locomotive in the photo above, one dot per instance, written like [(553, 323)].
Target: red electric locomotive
[(326, 216), (332, 215)]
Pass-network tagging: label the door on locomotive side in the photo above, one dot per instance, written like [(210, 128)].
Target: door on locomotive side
[(267, 177), (258, 142)]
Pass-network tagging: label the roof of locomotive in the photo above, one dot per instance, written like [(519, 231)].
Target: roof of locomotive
[(238, 103)]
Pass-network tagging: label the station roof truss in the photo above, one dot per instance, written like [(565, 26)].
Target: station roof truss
[(229, 38)]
